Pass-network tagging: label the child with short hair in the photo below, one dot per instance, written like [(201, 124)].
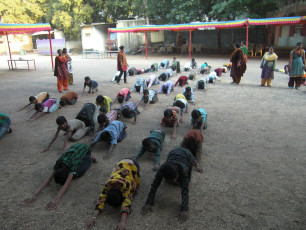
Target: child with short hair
[(92, 85), (201, 83), (69, 98), (39, 98), (152, 80), (88, 115), (188, 93), (129, 110), (165, 64), (170, 119), (193, 141), (123, 95), (181, 102), (193, 64), (75, 130), (175, 66), (140, 85), (104, 102), (148, 97), (164, 76), (105, 119), (154, 67), (166, 87), (199, 119), (49, 106), (181, 81), (113, 133), (153, 143), (212, 77)]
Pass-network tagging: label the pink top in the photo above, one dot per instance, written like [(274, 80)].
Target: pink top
[(124, 92)]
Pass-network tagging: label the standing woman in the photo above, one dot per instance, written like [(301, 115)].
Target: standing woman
[(60, 71), (296, 66), (268, 64), (121, 64), (69, 66), (238, 64)]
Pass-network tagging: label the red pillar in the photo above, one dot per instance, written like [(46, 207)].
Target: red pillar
[(189, 44), (51, 49), (146, 45), (8, 44), (109, 45), (247, 36)]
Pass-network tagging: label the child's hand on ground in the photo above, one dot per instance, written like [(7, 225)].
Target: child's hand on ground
[(30, 200), (52, 205), (134, 123), (91, 223), (173, 137), (45, 150)]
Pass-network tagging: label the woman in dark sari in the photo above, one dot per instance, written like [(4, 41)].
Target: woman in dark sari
[(238, 64), (60, 71)]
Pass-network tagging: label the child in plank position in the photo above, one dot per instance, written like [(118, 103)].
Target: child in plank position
[(112, 134), (69, 98), (105, 103), (123, 95), (152, 80), (105, 119), (49, 106), (154, 144), (140, 85), (176, 170), (5, 123), (166, 87), (188, 93), (181, 81), (181, 102), (72, 164), (39, 98), (75, 130), (92, 85), (119, 189), (199, 119), (148, 97), (201, 83), (88, 115), (170, 119), (129, 110), (193, 141)]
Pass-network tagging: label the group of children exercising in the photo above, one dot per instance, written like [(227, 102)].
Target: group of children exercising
[(124, 180)]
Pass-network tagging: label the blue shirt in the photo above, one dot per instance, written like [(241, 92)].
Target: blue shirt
[(166, 63), (114, 128), (203, 114), (191, 95), (140, 82)]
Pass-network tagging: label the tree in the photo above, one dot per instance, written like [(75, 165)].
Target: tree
[(21, 11), (68, 15)]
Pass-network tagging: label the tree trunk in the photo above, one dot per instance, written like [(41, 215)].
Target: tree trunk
[(148, 23)]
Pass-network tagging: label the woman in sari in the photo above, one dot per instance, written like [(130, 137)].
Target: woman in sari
[(121, 64), (268, 64), (69, 66), (60, 71), (238, 64), (296, 66)]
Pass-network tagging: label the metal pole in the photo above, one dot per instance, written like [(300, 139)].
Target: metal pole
[(9, 49), (189, 45), (51, 49), (146, 45)]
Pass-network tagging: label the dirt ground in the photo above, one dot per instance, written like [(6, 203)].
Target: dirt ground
[(253, 152)]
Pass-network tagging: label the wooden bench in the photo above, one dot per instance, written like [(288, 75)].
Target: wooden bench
[(109, 52), (92, 53), (12, 63)]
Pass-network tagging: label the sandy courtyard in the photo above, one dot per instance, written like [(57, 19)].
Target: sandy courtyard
[(253, 153)]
